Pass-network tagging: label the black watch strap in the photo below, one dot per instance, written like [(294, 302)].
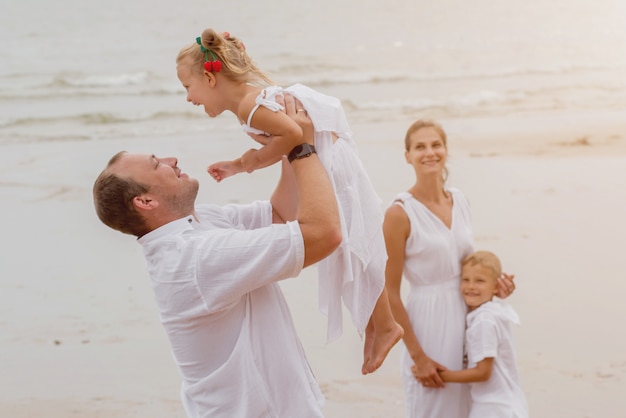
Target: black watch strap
[(301, 151)]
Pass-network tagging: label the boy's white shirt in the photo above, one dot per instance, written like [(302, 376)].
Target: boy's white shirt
[(489, 334)]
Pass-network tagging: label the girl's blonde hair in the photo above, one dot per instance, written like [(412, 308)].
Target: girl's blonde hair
[(421, 124), (236, 63), (486, 259)]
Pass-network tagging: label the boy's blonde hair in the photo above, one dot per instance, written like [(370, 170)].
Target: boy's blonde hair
[(236, 63), (486, 259)]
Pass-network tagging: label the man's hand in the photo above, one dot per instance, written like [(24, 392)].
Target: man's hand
[(294, 109)]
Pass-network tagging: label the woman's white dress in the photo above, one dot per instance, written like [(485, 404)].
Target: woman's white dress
[(434, 304), (355, 272)]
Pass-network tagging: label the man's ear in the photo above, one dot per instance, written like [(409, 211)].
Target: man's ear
[(145, 202)]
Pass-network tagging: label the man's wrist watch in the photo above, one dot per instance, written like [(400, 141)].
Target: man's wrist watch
[(301, 151)]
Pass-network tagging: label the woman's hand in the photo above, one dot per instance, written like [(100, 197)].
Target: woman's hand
[(506, 286), (426, 372)]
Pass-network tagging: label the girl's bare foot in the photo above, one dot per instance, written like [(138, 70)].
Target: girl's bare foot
[(367, 346), (378, 343)]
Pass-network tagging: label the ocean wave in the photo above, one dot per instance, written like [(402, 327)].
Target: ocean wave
[(70, 85), (101, 118), (494, 102), (88, 93), (114, 80), (63, 130), (144, 83), (29, 139), (332, 76), (546, 97)]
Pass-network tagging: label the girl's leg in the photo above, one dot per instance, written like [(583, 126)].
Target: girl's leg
[(381, 334)]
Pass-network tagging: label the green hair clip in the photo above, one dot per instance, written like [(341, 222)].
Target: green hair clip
[(209, 65)]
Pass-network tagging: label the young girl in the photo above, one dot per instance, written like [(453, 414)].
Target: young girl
[(217, 73), (492, 372)]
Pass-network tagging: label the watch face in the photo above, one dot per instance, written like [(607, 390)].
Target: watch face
[(301, 151)]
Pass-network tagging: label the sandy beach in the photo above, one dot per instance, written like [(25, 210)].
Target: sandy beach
[(79, 331), (532, 95)]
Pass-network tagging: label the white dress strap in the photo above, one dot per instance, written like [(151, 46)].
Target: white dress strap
[(401, 198), (266, 98), (256, 106)]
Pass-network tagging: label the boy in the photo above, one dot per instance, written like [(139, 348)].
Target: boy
[(491, 372)]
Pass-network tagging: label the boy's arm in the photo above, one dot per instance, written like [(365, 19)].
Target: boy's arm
[(480, 373)]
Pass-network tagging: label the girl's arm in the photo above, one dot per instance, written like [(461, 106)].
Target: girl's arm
[(396, 229), (285, 135), (480, 373)]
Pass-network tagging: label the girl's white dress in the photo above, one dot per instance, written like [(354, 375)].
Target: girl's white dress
[(434, 304), (355, 272)]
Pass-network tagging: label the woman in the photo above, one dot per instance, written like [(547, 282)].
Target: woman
[(427, 234)]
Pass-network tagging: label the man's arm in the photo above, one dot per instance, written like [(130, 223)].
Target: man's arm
[(285, 198), (310, 188), (318, 214)]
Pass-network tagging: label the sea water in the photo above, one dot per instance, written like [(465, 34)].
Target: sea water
[(92, 70)]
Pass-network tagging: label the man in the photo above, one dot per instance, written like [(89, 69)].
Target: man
[(214, 272)]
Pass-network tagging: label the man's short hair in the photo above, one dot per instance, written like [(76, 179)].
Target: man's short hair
[(113, 199)]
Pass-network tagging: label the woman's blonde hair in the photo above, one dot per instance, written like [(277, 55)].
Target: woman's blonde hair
[(421, 124), (236, 63)]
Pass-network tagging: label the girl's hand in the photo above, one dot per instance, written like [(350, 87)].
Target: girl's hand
[(220, 170), (426, 372), (506, 286)]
